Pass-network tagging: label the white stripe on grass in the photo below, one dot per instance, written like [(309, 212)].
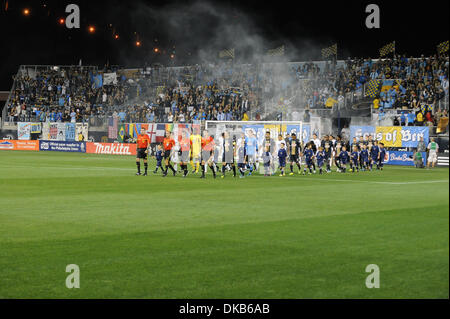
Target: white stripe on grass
[(98, 168)]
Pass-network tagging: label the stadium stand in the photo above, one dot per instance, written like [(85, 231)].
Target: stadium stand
[(399, 90)]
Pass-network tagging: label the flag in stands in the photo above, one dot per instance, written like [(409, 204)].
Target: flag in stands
[(121, 133), (130, 130), (387, 85), (112, 127), (372, 88), (151, 132), (97, 80), (388, 48), (442, 47), (332, 50), (160, 130), (227, 53), (276, 52)]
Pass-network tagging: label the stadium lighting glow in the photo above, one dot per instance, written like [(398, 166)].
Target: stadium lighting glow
[(26, 12)]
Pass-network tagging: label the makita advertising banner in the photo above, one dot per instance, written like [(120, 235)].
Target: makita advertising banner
[(111, 148), (60, 146)]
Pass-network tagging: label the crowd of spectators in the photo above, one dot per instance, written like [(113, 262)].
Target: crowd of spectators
[(229, 92), (418, 92)]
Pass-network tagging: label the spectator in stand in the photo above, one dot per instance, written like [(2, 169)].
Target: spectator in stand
[(419, 118), (403, 119), (396, 121), (411, 118)]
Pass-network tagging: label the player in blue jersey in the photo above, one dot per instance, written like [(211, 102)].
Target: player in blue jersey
[(381, 155), (374, 150), (295, 153), (282, 155), (343, 159), (328, 155), (364, 156), (251, 150), (159, 155), (320, 157), (309, 157), (354, 163)]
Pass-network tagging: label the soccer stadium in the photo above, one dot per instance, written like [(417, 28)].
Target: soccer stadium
[(138, 165)]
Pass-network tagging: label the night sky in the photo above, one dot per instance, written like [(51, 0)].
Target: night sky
[(305, 28)]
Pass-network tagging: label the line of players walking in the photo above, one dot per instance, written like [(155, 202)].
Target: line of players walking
[(242, 153)]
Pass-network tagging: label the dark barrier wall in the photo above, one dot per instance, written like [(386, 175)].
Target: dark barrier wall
[(8, 134)]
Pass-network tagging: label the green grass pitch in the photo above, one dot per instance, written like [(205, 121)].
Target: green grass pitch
[(258, 237)]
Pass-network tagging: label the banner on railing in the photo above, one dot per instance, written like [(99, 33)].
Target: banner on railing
[(70, 132), (36, 128), (111, 148), (19, 145), (392, 136), (62, 146), (81, 131), (23, 130), (402, 158)]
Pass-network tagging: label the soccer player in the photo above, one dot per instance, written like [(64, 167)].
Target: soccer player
[(241, 158), (374, 150), (168, 144), (143, 141), (433, 148), (251, 144), (267, 160), (282, 154), (185, 146), (309, 157), (381, 156), (269, 142), (196, 146), (295, 149), (354, 163), (355, 142), (343, 159), (364, 155), (207, 154), (321, 157), (337, 159), (328, 155), (159, 157), (228, 154)]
